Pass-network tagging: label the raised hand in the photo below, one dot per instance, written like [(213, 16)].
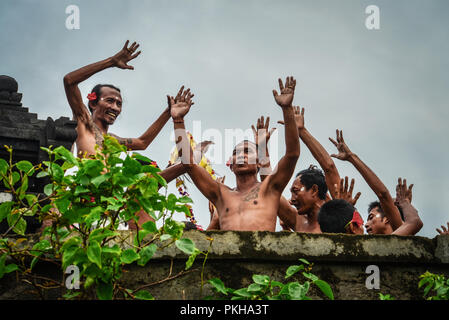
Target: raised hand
[(299, 117), (342, 192), (402, 192), (445, 231), (261, 132), (343, 151), (180, 105), (121, 58), (285, 99)]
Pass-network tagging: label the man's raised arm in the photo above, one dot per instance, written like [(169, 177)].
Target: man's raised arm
[(385, 199), (72, 79), (412, 223), (201, 178), (318, 152), (286, 166)]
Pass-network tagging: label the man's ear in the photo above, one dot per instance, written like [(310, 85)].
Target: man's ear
[(385, 219), (314, 190)]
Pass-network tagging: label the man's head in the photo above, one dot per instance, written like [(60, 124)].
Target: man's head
[(106, 105), (377, 222), (244, 158), (308, 189), (339, 216)]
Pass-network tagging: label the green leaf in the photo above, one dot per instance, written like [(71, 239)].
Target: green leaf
[(94, 253), (144, 295), (62, 205), (292, 270), (146, 254), (325, 288), (150, 226), (191, 259), (104, 291), (18, 222), (4, 166), (296, 291), (310, 276), (261, 279), (218, 285), (185, 245), (66, 155), (99, 234), (254, 287), (24, 166), (129, 256), (11, 268), (48, 189), (2, 265), (115, 250), (42, 174), (304, 261), (80, 189), (243, 293), (5, 209)]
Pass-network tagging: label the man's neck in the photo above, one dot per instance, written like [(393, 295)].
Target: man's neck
[(246, 181), (102, 126), (312, 214)]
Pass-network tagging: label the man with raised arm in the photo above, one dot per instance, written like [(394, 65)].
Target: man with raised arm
[(252, 205), (386, 210), (105, 105), (308, 191)]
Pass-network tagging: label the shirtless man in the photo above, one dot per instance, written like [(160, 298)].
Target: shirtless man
[(387, 209), (252, 205), (105, 105), (309, 190)]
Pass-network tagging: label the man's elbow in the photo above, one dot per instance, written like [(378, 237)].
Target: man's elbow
[(68, 81)]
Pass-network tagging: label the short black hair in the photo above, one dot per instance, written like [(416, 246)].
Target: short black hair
[(97, 90), (334, 215), (311, 176), (376, 204)]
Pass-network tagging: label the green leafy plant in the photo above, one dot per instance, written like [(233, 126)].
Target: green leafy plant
[(385, 297), (265, 288), (85, 209), (437, 284)]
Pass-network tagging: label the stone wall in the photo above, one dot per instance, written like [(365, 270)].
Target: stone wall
[(341, 260)]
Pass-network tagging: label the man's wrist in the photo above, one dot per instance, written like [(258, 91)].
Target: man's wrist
[(178, 120)]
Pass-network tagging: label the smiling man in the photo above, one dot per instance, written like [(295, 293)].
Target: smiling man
[(105, 105), (252, 205)]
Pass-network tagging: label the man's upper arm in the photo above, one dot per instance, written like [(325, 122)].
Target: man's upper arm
[(281, 175), (79, 110), (204, 182), (287, 213)]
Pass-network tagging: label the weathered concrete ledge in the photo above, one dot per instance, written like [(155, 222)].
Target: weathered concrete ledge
[(341, 260)]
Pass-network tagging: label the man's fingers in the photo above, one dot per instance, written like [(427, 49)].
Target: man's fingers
[(267, 123), (444, 228), (351, 187), (334, 142), (346, 184), (302, 111), (126, 44), (439, 231), (135, 55), (281, 86), (271, 131), (129, 67), (281, 122), (254, 130), (275, 93)]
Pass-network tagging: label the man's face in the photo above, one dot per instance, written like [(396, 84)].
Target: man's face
[(109, 105), (244, 158), (375, 224), (302, 199)]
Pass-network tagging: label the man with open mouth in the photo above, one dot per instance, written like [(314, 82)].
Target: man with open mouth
[(105, 105)]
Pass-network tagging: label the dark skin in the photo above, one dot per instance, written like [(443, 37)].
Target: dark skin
[(385, 199), (252, 205), (108, 107), (106, 110)]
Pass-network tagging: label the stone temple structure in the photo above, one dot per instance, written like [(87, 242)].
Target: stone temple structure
[(25, 133)]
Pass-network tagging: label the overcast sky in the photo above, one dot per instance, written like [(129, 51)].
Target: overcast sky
[(387, 89)]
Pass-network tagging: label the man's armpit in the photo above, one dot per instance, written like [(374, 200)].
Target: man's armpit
[(124, 141)]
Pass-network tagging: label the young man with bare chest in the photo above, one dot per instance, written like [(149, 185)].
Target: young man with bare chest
[(252, 205), (105, 105)]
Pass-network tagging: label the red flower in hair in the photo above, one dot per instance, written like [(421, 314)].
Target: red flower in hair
[(92, 96)]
